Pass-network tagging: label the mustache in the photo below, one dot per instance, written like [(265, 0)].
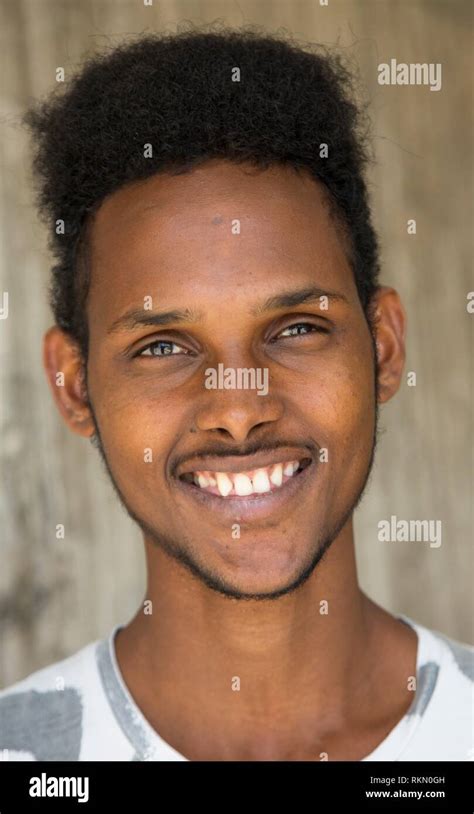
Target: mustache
[(224, 450)]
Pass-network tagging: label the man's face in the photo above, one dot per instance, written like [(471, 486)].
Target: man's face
[(223, 245)]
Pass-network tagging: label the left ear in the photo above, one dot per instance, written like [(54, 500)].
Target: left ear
[(390, 328)]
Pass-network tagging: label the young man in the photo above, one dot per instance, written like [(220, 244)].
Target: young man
[(222, 338)]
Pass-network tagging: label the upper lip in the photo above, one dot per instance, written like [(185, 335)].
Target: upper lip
[(242, 463)]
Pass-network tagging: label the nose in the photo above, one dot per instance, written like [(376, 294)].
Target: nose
[(237, 413)]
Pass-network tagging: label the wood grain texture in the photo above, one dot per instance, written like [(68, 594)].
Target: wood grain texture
[(57, 595)]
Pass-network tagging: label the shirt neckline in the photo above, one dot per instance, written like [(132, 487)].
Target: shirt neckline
[(149, 745)]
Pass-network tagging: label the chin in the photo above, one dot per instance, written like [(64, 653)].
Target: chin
[(264, 583)]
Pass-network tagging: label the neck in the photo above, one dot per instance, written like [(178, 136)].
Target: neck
[(264, 677)]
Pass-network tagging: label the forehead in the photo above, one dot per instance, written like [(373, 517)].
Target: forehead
[(204, 182), (220, 188), (178, 233)]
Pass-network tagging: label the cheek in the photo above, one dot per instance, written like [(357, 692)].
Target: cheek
[(338, 401), (340, 391), (137, 428)]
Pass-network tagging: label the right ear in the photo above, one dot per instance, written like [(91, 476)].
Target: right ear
[(65, 371)]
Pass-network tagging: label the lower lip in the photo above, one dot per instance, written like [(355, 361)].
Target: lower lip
[(252, 507)]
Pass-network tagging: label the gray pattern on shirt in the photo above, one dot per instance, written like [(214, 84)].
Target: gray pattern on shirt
[(47, 724)]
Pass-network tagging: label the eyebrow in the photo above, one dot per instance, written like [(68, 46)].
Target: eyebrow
[(291, 298), (138, 317)]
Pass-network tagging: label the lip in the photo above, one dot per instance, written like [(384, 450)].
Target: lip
[(253, 507), (243, 463)]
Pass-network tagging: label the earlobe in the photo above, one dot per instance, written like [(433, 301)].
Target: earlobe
[(390, 331), (64, 369)]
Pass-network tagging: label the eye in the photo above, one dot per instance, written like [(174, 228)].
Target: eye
[(163, 348), (301, 329)]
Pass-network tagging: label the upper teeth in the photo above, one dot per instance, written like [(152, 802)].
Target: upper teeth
[(257, 481)]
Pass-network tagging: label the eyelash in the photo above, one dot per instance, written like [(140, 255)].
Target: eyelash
[(315, 329)]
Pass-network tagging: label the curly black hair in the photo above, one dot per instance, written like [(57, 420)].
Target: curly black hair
[(176, 92)]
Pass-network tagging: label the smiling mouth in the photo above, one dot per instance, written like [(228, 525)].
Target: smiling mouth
[(252, 483)]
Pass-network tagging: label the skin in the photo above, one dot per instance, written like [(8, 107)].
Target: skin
[(313, 685)]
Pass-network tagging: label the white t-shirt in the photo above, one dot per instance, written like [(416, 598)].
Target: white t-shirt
[(81, 709)]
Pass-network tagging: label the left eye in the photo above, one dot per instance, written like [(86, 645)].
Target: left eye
[(301, 328), (163, 347)]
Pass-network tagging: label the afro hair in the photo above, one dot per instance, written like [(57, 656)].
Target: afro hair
[(177, 93)]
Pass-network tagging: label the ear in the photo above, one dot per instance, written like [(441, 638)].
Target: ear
[(66, 375), (390, 328)]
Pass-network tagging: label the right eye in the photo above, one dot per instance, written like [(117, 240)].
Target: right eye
[(164, 348)]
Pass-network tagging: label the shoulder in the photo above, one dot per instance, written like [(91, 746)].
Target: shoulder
[(461, 656), (453, 659), (41, 716), (444, 696)]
